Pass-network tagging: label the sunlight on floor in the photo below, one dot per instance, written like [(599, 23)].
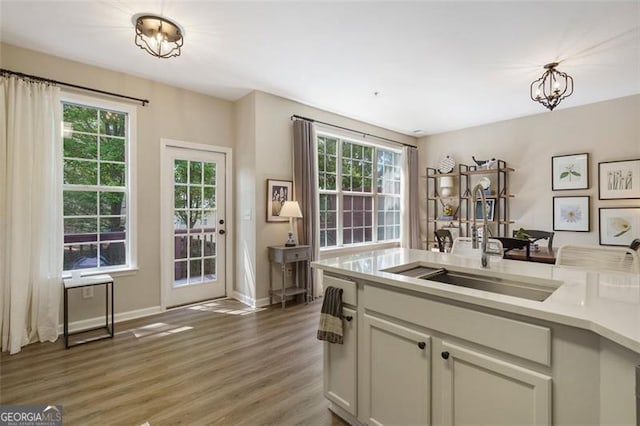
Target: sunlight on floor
[(226, 307), (157, 329)]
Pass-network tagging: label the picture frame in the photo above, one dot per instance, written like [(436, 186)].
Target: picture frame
[(619, 226), (572, 213), (278, 191), (491, 207), (569, 172), (618, 180)]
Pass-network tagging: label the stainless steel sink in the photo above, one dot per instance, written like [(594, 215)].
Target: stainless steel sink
[(522, 289)]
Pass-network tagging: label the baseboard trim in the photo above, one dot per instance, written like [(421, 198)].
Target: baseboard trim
[(119, 317), (254, 303)]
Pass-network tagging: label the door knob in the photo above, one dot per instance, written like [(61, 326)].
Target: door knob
[(221, 232), (445, 355), (422, 345), (221, 221)]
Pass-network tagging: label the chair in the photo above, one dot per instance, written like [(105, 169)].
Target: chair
[(538, 235), (443, 237), (513, 243), (621, 259), (462, 246), (635, 244)]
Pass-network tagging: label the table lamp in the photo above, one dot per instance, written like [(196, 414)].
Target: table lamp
[(290, 209)]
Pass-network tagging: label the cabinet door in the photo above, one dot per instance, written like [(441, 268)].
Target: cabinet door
[(475, 388), (396, 369), (340, 366)]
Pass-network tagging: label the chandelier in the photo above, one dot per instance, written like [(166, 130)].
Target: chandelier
[(158, 36), (552, 87)]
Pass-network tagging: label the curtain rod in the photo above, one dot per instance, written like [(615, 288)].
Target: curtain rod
[(3, 71), (299, 117)]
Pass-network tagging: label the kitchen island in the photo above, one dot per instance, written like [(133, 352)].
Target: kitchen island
[(426, 352)]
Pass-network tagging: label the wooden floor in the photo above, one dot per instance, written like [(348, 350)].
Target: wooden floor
[(215, 363)]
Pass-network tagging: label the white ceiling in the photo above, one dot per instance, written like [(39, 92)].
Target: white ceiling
[(437, 66)]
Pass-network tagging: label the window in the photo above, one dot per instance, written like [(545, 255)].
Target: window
[(96, 186), (359, 192)]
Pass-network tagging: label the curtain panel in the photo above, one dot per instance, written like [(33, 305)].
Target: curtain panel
[(30, 212), (410, 235), (305, 188)]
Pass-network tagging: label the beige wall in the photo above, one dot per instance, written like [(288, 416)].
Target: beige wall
[(274, 151), (607, 130), (172, 113)]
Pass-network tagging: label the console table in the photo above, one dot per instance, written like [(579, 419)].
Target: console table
[(71, 283), (282, 255)]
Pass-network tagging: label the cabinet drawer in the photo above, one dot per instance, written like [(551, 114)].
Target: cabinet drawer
[(528, 341), (293, 255), (348, 288)]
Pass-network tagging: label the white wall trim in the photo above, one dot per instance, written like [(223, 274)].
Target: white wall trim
[(229, 208), (254, 303), (119, 317)]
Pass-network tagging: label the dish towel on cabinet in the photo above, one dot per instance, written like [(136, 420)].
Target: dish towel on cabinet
[(330, 328)]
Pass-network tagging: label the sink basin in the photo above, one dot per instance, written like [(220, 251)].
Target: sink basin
[(509, 287)]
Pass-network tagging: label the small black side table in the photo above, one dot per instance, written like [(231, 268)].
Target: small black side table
[(70, 283)]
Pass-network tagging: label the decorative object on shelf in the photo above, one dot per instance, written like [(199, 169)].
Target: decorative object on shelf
[(571, 213), (552, 87), (448, 212), (619, 179), (491, 204), (446, 164), (570, 172), (485, 164), (619, 226), (159, 36), (291, 209), (485, 182), (278, 192), (446, 186)]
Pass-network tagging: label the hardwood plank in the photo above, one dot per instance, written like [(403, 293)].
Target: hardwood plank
[(215, 363)]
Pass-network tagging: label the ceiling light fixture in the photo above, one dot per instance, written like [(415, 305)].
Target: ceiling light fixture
[(552, 87), (158, 36)]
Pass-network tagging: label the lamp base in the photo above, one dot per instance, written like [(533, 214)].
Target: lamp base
[(290, 241)]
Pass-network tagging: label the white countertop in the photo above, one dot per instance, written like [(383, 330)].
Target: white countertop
[(607, 303)]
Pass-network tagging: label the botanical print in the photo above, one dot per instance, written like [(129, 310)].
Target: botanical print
[(570, 172), (278, 191), (620, 179), (619, 226), (571, 213)]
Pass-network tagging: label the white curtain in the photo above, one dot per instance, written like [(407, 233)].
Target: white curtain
[(30, 212), (410, 209)]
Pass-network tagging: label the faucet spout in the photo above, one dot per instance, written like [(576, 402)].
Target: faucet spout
[(478, 189)]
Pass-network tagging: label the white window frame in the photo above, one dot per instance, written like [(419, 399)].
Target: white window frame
[(340, 247), (131, 239)]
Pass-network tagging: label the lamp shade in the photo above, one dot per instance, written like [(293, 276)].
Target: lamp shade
[(290, 209), (446, 182)]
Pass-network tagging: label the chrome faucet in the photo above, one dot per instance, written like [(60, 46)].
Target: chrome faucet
[(474, 228)]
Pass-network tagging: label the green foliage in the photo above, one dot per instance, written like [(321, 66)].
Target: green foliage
[(190, 196)]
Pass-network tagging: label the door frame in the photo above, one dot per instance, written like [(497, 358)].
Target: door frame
[(166, 244)]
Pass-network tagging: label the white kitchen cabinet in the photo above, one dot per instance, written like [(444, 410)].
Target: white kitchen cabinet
[(340, 366), (396, 373), (476, 388)]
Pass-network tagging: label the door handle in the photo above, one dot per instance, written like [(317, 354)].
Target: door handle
[(221, 232)]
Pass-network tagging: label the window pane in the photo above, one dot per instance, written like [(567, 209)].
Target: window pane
[(209, 173), (208, 220), (388, 217), (195, 246), (180, 273), (389, 172), (209, 200), (113, 228), (112, 174), (180, 197), (181, 220), (195, 270), (112, 123), (78, 172), (180, 168), (80, 226), (81, 118), (113, 254), (209, 244), (112, 203), (328, 212), (195, 171), (80, 256), (112, 149), (80, 203), (195, 197), (81, 146), (180, 247), (210, 269)]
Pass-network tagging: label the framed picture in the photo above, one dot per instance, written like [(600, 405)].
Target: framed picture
[(278, 191), (571, 214), (619, 179), (570, 172), (619, 225), (491, 204)]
